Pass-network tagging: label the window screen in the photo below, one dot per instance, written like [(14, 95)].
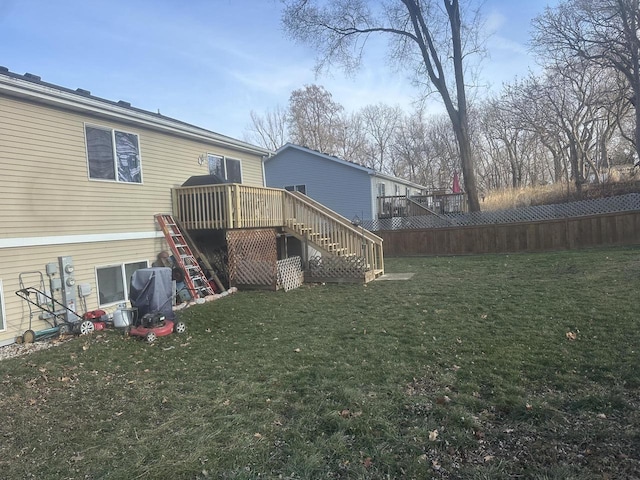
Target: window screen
[(110, 151)]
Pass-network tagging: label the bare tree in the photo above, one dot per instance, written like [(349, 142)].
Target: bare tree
[(270, 130), (352, 144), (605, 33), (437, 37), (315, 120), (381, 123), (412, 152)]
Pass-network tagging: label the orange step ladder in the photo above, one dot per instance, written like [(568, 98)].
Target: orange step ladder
[(194, 277)]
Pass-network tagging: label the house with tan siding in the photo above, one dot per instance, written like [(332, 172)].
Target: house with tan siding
[(83, 177)]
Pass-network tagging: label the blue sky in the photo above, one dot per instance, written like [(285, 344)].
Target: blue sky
[(211, 62)]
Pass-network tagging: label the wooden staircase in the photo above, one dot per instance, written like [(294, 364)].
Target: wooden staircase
[(332, 234)]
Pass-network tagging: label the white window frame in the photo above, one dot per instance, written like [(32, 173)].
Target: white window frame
[(125, 283), (382, 189), (112, 131), (224, 160), (3, 316)]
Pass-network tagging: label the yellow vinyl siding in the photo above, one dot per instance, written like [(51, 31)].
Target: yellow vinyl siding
[(46, 192), (86, 257), (46, 189)]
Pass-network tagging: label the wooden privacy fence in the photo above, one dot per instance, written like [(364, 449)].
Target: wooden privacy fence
[(557, 234)]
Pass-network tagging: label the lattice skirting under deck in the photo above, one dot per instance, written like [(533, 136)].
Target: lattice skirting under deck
[(338, 268), (253, 258)]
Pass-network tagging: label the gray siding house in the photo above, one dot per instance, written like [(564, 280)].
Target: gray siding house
[(345, 187)]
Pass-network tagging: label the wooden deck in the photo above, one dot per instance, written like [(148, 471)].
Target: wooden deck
[(236, 206)]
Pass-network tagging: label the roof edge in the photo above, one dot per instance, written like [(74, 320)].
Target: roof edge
[(31, 87)]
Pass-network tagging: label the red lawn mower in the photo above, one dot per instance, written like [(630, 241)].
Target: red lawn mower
[(151, 295)]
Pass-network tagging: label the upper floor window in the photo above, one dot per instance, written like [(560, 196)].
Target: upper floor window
[(381, 189), (228, 169), (113, 155)]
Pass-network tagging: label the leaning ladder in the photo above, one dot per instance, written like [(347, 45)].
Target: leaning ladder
[(194, 277)]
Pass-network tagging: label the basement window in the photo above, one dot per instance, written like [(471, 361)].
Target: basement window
[(3, 324), (113, 155), (113, 281), (229, 169)]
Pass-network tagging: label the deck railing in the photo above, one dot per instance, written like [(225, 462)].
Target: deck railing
[(437, 204), (228, 206), (231, 206)]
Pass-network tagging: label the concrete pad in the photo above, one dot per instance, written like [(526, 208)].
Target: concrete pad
[(395, 276)]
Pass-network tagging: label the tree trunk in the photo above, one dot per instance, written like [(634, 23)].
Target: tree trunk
[(466, 162)]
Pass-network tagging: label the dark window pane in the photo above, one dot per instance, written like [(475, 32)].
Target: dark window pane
[(234, 173), (100, 154), (110, 286), (128, 153), (216, 167)]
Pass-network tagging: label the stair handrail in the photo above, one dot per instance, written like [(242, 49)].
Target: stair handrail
[(432, 212), (336, 216)]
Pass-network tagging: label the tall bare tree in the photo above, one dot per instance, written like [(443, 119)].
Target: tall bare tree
[(315, 119), (381, 123), (432, 38), (605, 33), (268, 130)]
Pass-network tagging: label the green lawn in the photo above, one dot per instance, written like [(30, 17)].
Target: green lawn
[(482, 367)]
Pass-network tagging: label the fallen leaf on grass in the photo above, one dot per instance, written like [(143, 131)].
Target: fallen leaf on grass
[(77, 458), (488, 458), (433, 435), (297, 350), (571, 335), (367, 462), (257, 435), (443, 400), (346, 413)]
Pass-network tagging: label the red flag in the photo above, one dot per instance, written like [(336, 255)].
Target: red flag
[(456, 183)]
